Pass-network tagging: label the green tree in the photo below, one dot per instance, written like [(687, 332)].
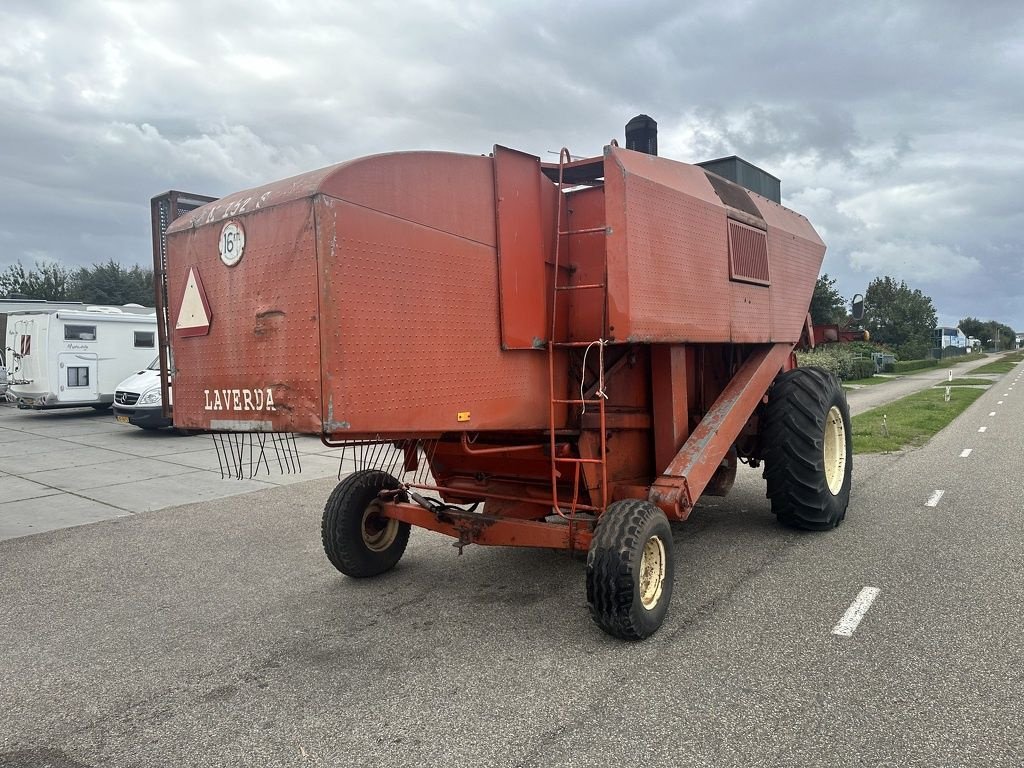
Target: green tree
[(989, 332), (49, 281), (900, 317), (828, 307), (972, 326), (112, 283), (1003, 334)]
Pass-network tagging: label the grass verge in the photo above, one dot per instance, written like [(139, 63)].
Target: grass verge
[(1004, 364), (963, 358), (964, 383), (871, 381), (911, 420)]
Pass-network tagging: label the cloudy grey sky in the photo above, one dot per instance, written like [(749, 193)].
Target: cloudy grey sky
[(896, 127)]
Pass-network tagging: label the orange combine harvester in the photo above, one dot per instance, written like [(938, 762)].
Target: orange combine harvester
[(562, 355)]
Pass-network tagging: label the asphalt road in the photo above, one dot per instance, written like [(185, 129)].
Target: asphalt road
[(217, 634)]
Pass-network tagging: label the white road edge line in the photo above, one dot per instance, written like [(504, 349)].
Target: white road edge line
[(848, 624), (933, 500), (965, 453)]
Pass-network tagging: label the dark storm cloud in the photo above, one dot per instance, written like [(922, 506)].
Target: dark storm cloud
[(895, 127)]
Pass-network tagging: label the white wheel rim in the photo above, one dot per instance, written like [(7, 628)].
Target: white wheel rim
[(835, 450), (379, 532), (652, 572)]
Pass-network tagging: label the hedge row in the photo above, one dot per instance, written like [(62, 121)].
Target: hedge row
[(861, 368), (839, 361)]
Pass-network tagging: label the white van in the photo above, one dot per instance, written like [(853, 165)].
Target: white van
[(138, 399), (61, 358)]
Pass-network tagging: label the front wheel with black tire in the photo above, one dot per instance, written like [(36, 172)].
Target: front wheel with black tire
[(630, 569), (808, 449), (359, 540)]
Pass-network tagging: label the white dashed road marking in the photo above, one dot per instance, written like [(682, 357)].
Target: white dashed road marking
[(848, 624), (992, 414), (933, 500), (982, 429), (965, 453)]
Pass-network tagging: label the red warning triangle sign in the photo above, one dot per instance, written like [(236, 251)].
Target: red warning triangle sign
[(195, 315)]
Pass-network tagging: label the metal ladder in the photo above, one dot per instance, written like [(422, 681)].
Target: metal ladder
[(599, 398)]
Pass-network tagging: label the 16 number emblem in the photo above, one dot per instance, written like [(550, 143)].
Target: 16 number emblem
[(232, 243)]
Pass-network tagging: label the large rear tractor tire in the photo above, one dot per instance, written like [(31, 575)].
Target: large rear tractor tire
[(808, 456), (358, 539), (630, 569)]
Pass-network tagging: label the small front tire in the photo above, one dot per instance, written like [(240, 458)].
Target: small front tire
[(358, 539), (630, 569)]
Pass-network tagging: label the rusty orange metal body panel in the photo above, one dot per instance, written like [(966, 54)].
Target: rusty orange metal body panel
[(366, 302), (411, 296), (669, 258), (264, 327), (521, 197), (472, 528), (692, 468)]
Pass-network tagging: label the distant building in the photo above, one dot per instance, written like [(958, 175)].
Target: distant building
[(1020, 340), (949, 337)]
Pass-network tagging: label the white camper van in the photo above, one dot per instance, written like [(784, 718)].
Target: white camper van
[(72, 358), (139, 401)]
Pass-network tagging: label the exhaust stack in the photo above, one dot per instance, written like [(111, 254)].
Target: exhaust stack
[(642, 135)]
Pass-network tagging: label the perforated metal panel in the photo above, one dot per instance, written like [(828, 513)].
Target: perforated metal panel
[(264, 334), (668, 266), (523, 300), (411, 332), (367, 300), (371, 315), (674, 275), (795, 252)]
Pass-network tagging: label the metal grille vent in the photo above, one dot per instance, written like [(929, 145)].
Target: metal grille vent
[(126, 398), (748, 254)]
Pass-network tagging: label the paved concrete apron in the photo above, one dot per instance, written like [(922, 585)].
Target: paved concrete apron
[(71, 467)]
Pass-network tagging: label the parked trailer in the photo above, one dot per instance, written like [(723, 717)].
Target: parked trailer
[(73, 358), (584, 348)]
